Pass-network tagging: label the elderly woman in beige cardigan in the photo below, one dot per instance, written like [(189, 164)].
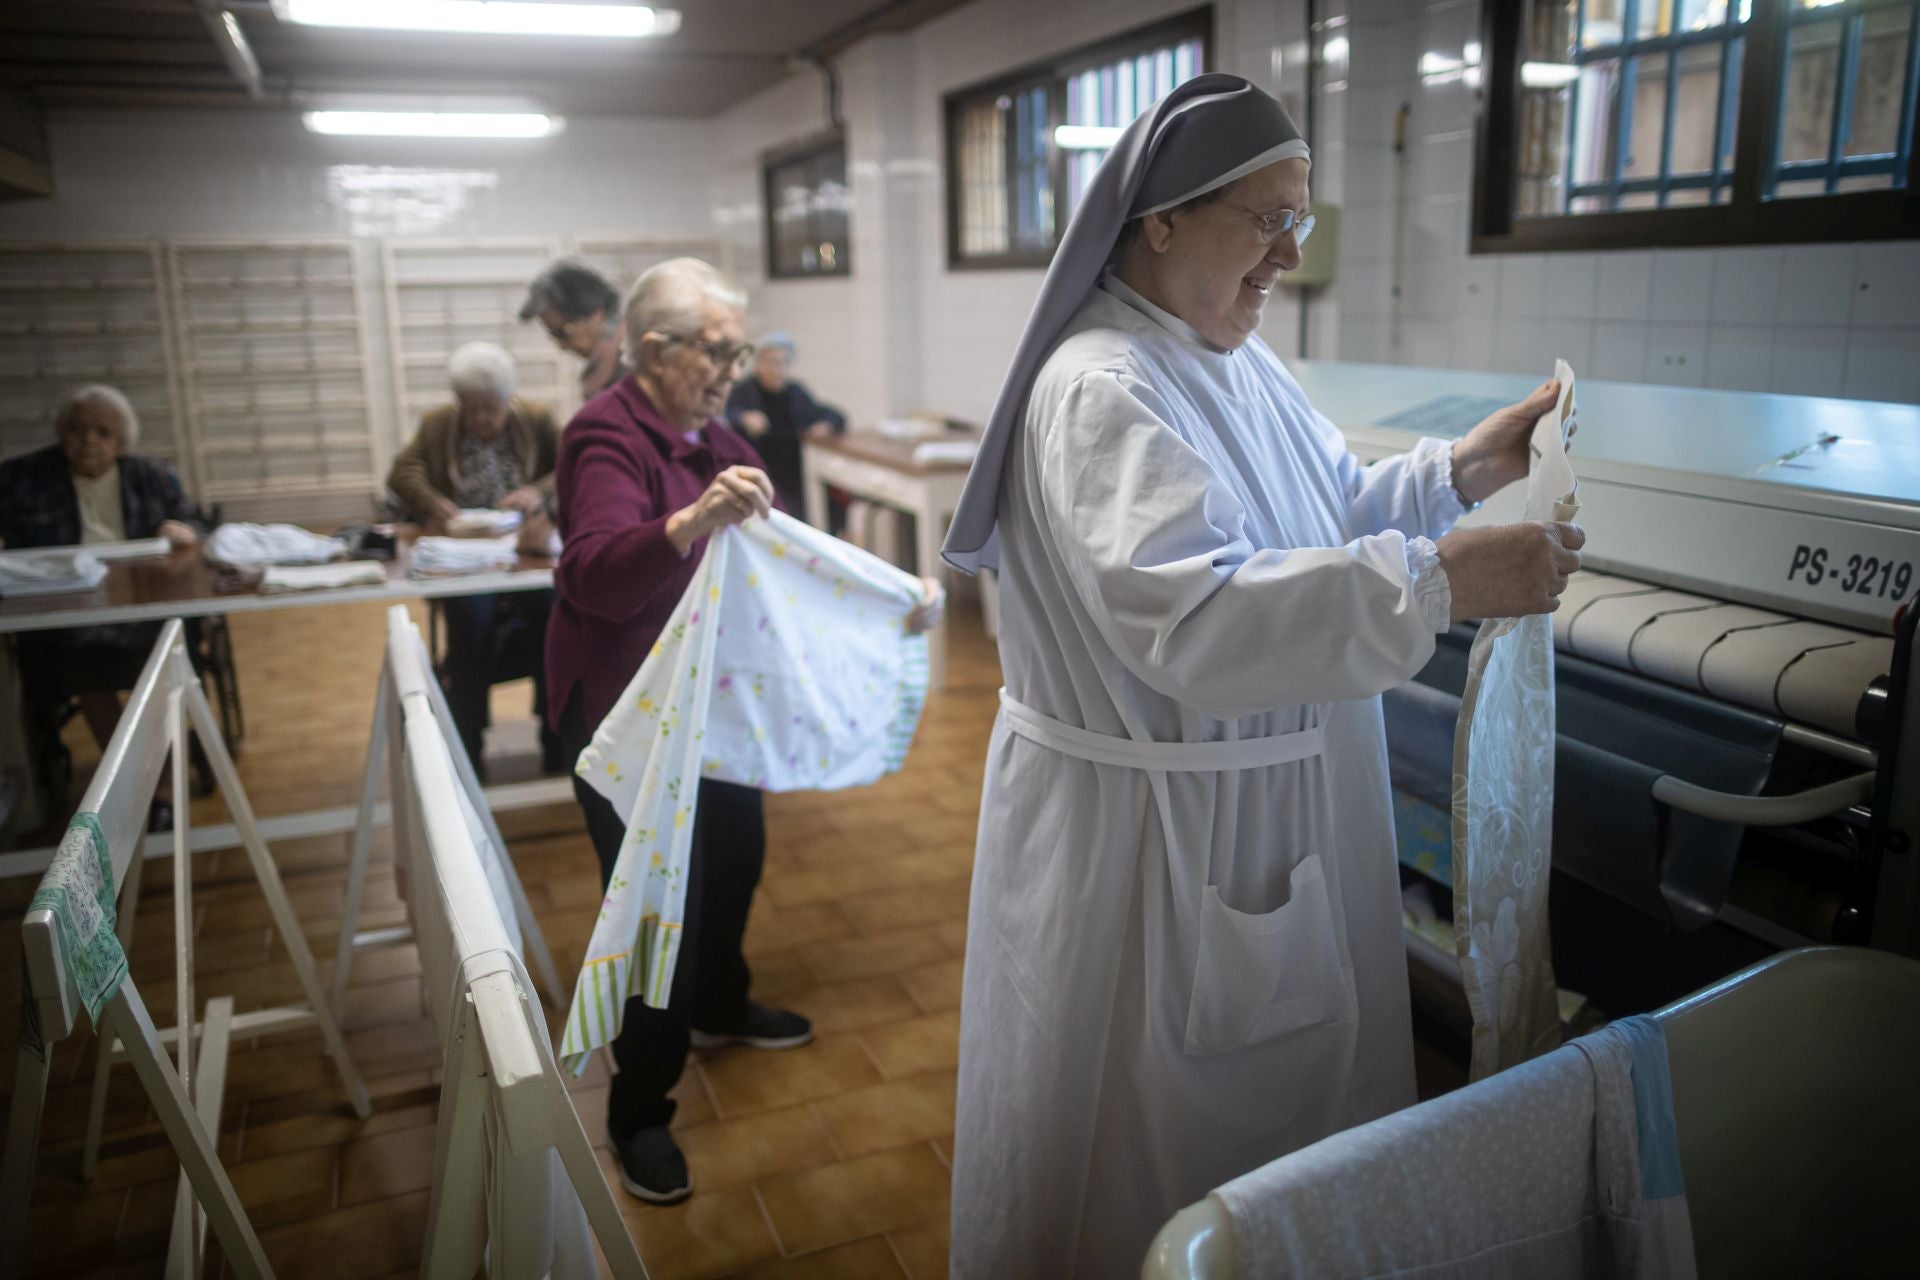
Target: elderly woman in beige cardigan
[(486, 449)]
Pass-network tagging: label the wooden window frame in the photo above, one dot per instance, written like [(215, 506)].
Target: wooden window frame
[(1052, 72), (1747, 218), (805, 149)]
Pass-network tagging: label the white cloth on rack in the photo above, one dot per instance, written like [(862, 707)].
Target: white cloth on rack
[(1565, 1166), (321, 577), (441, 557), (251, 544), (49, 571), (1503, 755), (786, 666)]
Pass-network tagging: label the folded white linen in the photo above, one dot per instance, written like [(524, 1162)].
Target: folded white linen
[(250, 544)]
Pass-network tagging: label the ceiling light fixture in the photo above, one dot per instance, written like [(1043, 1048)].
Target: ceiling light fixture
[(433, 124), (485, 17)]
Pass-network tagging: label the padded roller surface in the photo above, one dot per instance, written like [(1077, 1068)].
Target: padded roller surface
[(1824, 686), (1746, 666), (1672, 646), (1606, 628)]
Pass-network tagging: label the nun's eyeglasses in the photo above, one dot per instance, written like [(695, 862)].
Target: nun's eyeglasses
[(1272, 226)]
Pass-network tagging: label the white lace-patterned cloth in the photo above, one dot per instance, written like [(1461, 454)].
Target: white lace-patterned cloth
[(1564, 1168), (248, 544), (1503, 753), (786, 666)]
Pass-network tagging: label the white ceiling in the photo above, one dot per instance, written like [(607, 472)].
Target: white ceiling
[(133, 53)]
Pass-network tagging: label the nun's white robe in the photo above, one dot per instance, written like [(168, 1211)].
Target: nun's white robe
[(1178, 966)]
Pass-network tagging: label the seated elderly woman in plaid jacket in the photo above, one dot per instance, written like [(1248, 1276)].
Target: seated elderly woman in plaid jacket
[(86, 488)]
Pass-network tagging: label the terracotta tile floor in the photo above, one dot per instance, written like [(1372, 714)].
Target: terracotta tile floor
[(828, 1161)]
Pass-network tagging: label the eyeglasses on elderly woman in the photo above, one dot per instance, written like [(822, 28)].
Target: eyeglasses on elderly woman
[(723, 356)]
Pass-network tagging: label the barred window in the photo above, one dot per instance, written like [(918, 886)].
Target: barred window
[(1022, 148)]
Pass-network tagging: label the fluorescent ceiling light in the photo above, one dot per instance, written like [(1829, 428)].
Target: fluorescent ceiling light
[(1086, 137), (1548, 75), (433, 124), (485, 17)]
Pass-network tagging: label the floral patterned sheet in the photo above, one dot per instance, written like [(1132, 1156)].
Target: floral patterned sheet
[(1503, 754), (787, 667)]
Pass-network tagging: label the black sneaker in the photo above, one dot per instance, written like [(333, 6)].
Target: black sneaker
[(652, 1168), (764, 1028)]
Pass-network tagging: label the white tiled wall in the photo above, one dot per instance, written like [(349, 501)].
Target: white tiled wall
[(1839, 319), (904, 332), (947, 335), (125, 174)]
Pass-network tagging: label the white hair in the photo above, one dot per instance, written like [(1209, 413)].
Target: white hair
[(671, 297), (101, 394), (482, 367)]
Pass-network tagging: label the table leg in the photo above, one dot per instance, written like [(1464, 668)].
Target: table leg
[(815, 490), (928, 535)]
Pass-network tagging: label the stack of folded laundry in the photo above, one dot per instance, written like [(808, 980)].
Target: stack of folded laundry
[(321, 577), (441, 557), (475, 521), (252, 544), (49, 571)]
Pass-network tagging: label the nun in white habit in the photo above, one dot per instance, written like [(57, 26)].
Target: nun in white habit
[(1184, 954)]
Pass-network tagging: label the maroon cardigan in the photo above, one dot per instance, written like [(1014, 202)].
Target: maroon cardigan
[(623, 469)]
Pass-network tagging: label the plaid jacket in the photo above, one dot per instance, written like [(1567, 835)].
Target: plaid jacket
[(38, 507)]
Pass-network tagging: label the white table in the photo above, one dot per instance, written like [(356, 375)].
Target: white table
[(881, 469), (182, 585)]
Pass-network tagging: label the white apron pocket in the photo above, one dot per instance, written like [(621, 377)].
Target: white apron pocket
[(1261, 976)]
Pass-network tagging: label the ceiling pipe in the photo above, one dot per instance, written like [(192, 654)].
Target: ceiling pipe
[(232, 42)]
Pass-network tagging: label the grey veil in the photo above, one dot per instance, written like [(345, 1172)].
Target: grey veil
[(1210, 131)]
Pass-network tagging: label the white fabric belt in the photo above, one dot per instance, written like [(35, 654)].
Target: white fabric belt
[(1169, 757)]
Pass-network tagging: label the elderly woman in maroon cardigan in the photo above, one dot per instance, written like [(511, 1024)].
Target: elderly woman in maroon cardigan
[(648, 471)]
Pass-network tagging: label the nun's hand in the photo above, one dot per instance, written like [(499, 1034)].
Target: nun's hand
[(1494, 454), (1510, 570), (932, 607)]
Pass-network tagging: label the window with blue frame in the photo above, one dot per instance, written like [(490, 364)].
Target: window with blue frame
[(1642, 122), (1022, 147)]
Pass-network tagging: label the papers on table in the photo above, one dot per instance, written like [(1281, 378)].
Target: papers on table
[(321, 577), (439, 557), (473, 521), (933, 453), (49, 571), (249, 544), (138, 549), (909, 428)]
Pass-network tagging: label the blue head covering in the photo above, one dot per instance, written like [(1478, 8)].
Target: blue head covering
[(1210, 131)]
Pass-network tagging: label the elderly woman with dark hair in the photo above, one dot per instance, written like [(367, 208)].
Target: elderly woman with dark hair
[(648, 473), (87, 488), (580, 311), (776, 412)]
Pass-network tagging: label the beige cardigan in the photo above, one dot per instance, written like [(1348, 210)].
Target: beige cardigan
[(428, 467)]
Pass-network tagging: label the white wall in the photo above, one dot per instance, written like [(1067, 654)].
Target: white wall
[(1837, 319), (1819, 320), (904, 332), (123, 174)]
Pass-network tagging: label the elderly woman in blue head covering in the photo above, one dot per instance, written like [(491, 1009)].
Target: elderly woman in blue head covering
[(1184, 954), (777, 413)]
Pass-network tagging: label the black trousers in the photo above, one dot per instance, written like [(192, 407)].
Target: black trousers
[(492, 638), (710, 979)]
